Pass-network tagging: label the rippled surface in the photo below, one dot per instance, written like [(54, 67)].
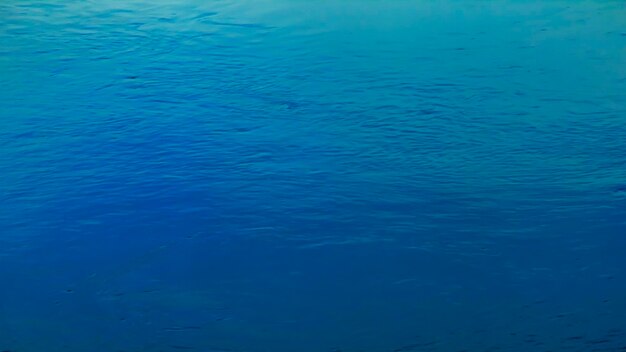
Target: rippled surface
[(309, 176)]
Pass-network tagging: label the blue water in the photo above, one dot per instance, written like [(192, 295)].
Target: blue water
[(312, 176)]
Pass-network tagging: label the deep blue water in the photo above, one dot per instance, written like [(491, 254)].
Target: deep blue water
[(312, 176)]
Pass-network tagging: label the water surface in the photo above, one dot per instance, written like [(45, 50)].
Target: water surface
[(313, 176)]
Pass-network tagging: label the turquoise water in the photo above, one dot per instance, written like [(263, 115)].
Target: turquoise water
[(312, 176)]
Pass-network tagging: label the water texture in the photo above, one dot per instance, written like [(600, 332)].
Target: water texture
[(312, 176)]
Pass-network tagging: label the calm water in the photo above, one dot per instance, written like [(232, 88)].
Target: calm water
[(312, 176)]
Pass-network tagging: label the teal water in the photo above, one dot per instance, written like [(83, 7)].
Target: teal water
[(332, 176)]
